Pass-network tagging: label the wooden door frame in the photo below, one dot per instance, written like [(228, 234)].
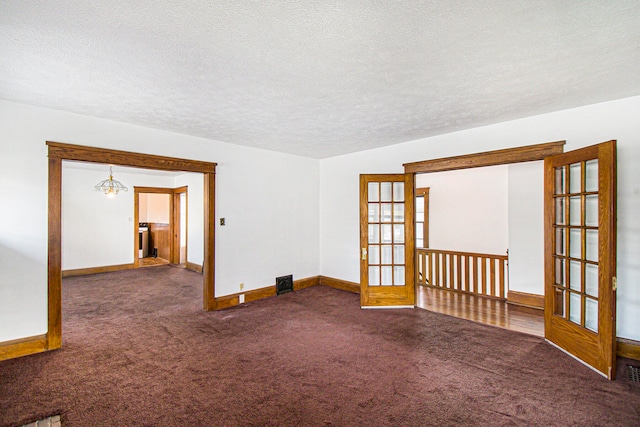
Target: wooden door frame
[(174, 220), (176, 225), (528, 153), (57, 152), (423, 192), (507, 156)]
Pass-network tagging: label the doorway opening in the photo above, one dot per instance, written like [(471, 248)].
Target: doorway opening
[(59, 152), (464, 304), (462, 240), (579, 205), (161, 237)]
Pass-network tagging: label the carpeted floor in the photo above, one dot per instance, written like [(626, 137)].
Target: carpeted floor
[(139, 351)]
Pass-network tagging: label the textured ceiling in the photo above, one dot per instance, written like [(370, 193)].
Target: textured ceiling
[(318, 78)]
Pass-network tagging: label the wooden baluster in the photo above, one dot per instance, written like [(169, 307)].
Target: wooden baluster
[(483, 260), (492, 276), (436, 263), (475, 274), (423, 266), (502, 277), (466, 274), (444, 270), (459, 272), (430, 280)]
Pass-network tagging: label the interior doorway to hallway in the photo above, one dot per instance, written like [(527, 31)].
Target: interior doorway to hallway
[(161, 215)]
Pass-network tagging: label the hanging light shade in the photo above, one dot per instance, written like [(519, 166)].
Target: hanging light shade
[(110, 186)]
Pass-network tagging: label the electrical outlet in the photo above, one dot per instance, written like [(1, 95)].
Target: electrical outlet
[(241, 298), (241, 286)]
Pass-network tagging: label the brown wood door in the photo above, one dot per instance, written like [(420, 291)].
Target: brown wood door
[(387, 241), (580, 254)]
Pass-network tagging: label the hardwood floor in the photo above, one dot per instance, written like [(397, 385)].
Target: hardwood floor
[(483, 310), (151, 261)]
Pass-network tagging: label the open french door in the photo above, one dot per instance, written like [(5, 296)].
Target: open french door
[(387, 241), (580, 254)]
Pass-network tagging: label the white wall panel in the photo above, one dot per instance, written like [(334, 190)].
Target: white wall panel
[(468, 209), (526, 227)]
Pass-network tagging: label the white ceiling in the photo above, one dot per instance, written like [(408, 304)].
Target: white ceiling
[(318, 78)]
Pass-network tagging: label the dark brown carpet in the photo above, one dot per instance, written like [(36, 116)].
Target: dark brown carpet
[(138, 350)]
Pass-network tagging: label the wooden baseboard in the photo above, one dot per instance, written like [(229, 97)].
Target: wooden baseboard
[(340, 284), (96, 270), (194, 267), (628, 348), (252, 295), (23, 347), (260, 293), (306, 283), (525, 299)]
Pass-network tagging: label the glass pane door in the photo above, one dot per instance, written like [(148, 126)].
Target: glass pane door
[(386, 254), (575, 236), (386, 261), (580, 254)]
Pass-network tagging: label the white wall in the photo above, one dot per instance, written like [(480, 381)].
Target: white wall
[(468, 209), (270, 201), (526, 227), (580, 127), (157, 208)]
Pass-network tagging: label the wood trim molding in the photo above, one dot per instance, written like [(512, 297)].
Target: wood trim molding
[(62, 151), (260, 293), (57, 152), (23, 347), (424, 192), (174, 222), (96, 270), (628, 348), (155, 190), (232, 300), (174, 219), (54, 248), (526, 299), (194, 267), (136, 228), (340, 284), (306, 283), (208, 266), (488, 158)]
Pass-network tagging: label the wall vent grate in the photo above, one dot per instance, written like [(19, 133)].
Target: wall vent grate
[(633, 373), (284, 284)]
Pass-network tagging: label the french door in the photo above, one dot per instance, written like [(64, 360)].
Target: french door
[(387, 241), (580, 254)]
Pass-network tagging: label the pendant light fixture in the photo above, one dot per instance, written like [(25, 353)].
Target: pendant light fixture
[(110, 187)]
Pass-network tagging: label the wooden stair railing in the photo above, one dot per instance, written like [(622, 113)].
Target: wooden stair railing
[(466, 272)]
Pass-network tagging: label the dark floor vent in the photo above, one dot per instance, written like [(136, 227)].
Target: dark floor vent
[(633, 373), (284, 284)]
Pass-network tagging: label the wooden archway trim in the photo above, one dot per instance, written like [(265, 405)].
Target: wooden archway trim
[(528, 153), (59, 152)]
